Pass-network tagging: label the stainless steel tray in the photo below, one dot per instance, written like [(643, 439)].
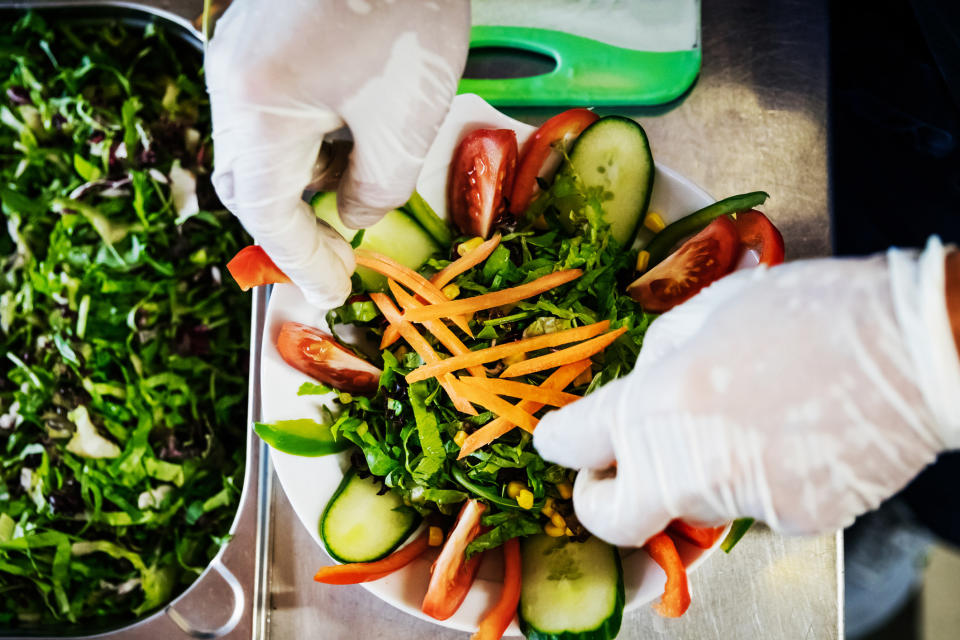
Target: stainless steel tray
[(222, 601)]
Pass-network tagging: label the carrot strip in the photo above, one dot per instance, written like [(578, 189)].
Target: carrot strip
[(439, 330), (497, 619), (503, 350), (493, 402), (676, 593), (410, 279), (356, 572), (522, 390), (452, 308), (563, 356), (421, 346), (470, 260), (489, 432)]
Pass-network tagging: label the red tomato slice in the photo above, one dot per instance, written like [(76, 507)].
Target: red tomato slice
[(252, 267), (540, 157), (705, 257), (318, 354), (481, 172), (452, 576), (758, 234)]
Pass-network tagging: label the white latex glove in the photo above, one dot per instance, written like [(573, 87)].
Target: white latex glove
[(284, 73), (801, 395)]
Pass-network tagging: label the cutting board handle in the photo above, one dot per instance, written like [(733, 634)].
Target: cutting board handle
[(588, 72)]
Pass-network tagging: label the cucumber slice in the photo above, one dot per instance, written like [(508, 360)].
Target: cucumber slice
[(571, 590), (360, 526), (613, 153), (397, 235)]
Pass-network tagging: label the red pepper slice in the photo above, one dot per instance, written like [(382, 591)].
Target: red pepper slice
[(703, 537), (252, 267), (453, 575), (539, 149), (357, 572), (496, 621), (676, 593)]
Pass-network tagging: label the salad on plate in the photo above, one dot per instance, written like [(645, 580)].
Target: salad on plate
[(462, 331)]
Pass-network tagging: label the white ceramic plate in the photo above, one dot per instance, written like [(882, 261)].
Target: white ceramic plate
[(309, 482)]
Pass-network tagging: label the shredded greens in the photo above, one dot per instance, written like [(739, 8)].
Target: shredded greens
[(122, 394), (406, 433)]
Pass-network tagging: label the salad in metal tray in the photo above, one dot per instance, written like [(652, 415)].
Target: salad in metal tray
[(532, 298)]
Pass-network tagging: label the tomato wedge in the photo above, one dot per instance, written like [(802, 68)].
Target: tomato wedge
[(316, 353), (480, 174), (676, 592), (757, 234), (705, 257), (357, 572), (452, 575), (540, 156), (703, 537), (252, 267), (496, 621)]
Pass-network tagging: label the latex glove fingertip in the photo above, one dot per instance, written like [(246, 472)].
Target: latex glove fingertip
[(601, 505)]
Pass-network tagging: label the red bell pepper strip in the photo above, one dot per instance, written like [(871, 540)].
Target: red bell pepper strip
[(676, 593), (757, 233), (703, 537), (252, 267), (357, 572), (496, 621)]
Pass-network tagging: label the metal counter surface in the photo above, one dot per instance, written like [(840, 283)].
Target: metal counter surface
[(756, 119)]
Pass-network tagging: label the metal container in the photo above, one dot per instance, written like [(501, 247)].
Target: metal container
[(220, 601)]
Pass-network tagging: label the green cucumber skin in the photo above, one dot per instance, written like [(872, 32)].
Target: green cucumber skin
[(626, 236), (398, 235), (437, 227), (347, 478), (606, 630)]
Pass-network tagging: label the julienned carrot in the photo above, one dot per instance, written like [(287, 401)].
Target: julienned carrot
[(563, 356), (468, 261), (420, 345), (676, 593), (522, 390), (503, 350), (357, 572), (493, 402), (439, 330), (489, 432), (452, 308), (496, 621), (410, 279)]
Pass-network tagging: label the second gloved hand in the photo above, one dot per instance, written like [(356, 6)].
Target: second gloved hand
[(284, 73), (801, 395)]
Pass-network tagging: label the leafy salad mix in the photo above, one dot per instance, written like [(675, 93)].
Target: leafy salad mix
[(537, 298), (122, 391)]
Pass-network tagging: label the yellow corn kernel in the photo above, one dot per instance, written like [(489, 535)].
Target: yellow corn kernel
[(525, 499), (654, 222), (643, 259), (514, 358), (548, 509), (569, 532), (541, 224), (584, 378), (451, 291), (466, 247), (566, 490), (459, 437), (435, 536), (557, 520), (514, 488), (552, 531)]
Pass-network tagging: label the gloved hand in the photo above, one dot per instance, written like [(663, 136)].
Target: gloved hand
[(801, 395), (284, 73)]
